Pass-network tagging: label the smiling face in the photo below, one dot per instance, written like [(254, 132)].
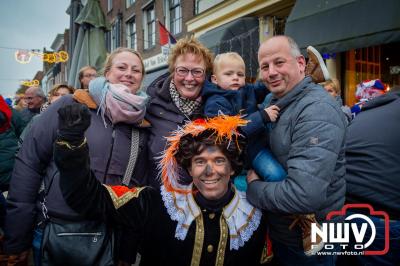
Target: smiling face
[(230, 74), (32, 99), (126, 69), (280, 69), (187, 85), (211, 171)]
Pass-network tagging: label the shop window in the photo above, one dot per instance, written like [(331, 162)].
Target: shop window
[(362, 64)]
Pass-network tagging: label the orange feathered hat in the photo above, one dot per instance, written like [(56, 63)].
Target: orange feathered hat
[(225, 127)]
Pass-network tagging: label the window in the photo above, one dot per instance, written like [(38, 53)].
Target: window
[(115, 34), (108, 41), (202, 5), (129, 3), (131, 34), (109, 5), (149, 27), (173, 16)]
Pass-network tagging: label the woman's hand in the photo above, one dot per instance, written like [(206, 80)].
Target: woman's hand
[(73, 120)]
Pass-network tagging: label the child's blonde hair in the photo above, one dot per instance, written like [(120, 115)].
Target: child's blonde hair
[(334, 83), (224, 56)]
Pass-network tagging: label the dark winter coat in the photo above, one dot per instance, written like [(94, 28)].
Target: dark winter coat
[(144, 214), (308, 140), (9, 146), (245, 102), (165, 118), (373, 155), (109, 154)]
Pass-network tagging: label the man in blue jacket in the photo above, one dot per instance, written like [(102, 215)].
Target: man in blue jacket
[(308, 141)]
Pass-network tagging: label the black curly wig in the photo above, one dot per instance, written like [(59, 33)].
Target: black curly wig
[(190, 146)]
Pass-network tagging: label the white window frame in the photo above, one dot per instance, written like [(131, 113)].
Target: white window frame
[(175, 27), (149, 40), (109, 5), (131, 31)]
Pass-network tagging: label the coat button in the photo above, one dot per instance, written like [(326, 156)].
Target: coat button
[(211, 215), (210, 248)]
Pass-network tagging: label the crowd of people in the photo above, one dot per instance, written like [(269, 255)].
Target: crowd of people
[(152, 169)]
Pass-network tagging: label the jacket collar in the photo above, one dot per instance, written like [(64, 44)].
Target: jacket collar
[(381, 100), (292, 95)]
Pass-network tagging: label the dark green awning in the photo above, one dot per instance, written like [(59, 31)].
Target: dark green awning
[(341, 25), (241, 36)]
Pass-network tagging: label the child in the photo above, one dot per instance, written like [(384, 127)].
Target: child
[(230, 95)]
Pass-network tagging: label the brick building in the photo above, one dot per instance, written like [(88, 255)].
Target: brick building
[(134, 24)]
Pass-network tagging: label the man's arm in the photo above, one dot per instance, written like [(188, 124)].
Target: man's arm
[(316, 142)]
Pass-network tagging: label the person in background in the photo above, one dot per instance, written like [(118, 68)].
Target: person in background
[(85, 75), (308, 141), (117, 106), (175, 97), (366, 91), (332, 86), (20, 102), (56, 93), (11, 126), (34, 98), (373, 174)]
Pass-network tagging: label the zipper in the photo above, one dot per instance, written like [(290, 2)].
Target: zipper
[(95, 235), (110, 155)]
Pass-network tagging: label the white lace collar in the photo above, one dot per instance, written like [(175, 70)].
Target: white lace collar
[(242, 218)]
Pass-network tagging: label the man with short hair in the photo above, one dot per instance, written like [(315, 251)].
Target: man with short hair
[(34, 98), (308, 141)]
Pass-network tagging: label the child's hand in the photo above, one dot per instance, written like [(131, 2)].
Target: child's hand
[(273, 112)]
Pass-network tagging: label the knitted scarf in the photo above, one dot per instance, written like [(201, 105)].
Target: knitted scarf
[(186, 106), (117, 102)]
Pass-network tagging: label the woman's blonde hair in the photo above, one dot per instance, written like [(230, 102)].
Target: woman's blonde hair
[(113, 54), (334, 83), (190, 45)]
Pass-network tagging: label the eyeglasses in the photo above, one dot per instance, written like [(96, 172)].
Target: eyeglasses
[(90, 75), (196, 72), (30, 98)]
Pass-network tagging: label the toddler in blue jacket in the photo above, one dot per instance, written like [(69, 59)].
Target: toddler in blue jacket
[(229, 94)]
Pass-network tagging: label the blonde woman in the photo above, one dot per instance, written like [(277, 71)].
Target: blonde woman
[(117, 106)]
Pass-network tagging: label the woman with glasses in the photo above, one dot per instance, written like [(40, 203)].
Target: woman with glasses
[(117, 107), (85, 75), (175, 96)]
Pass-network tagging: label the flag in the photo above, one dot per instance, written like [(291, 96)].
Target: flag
[(166, 37)]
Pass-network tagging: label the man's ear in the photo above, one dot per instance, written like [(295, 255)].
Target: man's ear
[(301, 61), (214, 79)]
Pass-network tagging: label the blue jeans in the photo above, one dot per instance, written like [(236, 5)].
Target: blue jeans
[(267, 167), (291, 256), (390, 258), (37, 245)]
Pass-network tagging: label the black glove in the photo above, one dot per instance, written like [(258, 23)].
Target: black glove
[(73, 120)]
